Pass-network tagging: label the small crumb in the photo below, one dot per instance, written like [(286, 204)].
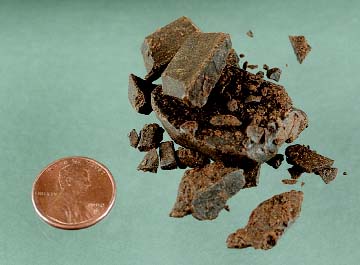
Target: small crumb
[(245, 65), (301, 47), (252, 66), (241, 55), (227, 208), (274, 74), (250, 34), (265, 67), (345, 173), (302, 183), (286, 65), (289, 181)]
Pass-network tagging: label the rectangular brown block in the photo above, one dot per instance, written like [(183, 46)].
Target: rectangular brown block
[(160, 47), (196, 67)]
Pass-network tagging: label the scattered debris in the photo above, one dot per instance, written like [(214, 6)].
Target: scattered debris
[(300, 46)]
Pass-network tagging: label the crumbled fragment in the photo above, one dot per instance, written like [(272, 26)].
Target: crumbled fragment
[(150, 137), (295, 172), (276, 161), (139, 94), (265, 67), (245, 65), (286, 65), (260, 74), (252, 66), (306, 159), (203, 192), (196, 67), (300, 46), (268, 222), (133, 138), (289, 181), (167, 155), (274, 74), (241, 55), (225, 120), (227, 208), (190, 158), (250, 34), (302, 184), (327, 174), (344, 173), (150, 163), (160, 47)]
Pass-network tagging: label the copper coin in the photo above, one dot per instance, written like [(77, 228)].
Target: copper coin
[(73, 193)]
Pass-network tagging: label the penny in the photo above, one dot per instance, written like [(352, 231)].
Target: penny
[(73, 193)]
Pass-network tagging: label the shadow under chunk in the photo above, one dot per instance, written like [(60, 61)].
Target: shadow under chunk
[(150, 163), (139, 94), (203, 192), (268, 222)]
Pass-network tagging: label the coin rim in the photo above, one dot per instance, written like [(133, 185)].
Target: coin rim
[(83, 224)]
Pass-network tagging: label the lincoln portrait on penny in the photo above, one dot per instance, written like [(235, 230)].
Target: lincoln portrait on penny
[(70, 205)]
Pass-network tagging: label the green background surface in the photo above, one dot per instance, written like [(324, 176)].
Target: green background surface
[(64, 69)]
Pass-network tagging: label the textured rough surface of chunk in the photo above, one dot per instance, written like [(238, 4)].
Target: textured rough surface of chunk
[(289, 181), (150, 137), (306, 159), (276, 161), (300, 46), (139, 94), (150, 163), (160, 47), (268, 222), (264, 109), (133, 138), (203, 192), (190, 158), (196, 67), (167, 155), (327, 174)]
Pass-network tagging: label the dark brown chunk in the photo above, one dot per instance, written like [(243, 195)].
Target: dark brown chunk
[(300, 46), (241, 55), (203, 192), (139, 94), (251, 173), (276, 161), (160, 47), (260, 74), (250, 34), (268, 222), (245, 65), (167, 155), (327, 174), (309, 161), (133, 138), (295, 172), (150, 137), (190, 158), (289, 181), (344, 173), (274, 74), (265, 67), (193, 72), (150, 163)]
